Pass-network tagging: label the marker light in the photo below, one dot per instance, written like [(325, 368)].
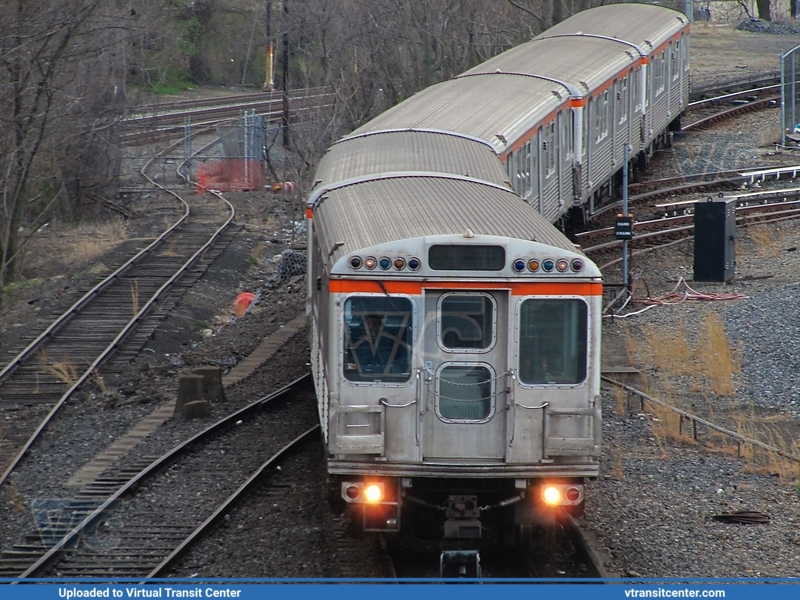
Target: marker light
[(353, 491), (551, 495), (355, 262), (385, 263), (548, 265), (399, 263), (373, 493), (370, 262), (573, 494), (413, 264), (562, 265), (577, 264), (519, 265), (533, 265)]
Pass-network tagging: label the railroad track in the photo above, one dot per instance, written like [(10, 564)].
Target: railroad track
[(563, 549), (163, 121), (136, 523), (740, 84), (75, 345), (673, 220)]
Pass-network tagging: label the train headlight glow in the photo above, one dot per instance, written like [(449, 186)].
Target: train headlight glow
[(370, 262), (519, 265), (551, 495), (562, 265), (373, 493)]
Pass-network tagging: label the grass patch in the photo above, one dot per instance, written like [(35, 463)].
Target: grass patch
[(135, 296), (63, 370), (768, 241)]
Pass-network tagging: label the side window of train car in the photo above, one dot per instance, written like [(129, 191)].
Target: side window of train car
[(601, 104), (520, 172), (550, 150), (467, 322), (622, 99), (552, 341), (675, 60), (567, 141), (377, 339), (660, 73)]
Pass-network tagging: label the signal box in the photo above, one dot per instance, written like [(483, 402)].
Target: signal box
[(714, 240)]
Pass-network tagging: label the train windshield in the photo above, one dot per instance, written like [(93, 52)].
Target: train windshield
[(377, 339), (553, 342)]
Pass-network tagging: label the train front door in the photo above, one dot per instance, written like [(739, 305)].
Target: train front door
[(465, 354)]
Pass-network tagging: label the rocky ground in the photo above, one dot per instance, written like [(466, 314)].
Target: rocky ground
[(655, 503)]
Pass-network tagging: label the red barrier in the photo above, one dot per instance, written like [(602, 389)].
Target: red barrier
[(231, 175)]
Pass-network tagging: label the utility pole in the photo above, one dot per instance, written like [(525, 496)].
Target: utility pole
[(269, 82), (285, 119)]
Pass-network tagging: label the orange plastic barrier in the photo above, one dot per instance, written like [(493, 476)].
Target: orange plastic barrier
[(242, 303), (231, 175)]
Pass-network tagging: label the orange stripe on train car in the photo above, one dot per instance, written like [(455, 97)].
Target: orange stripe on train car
[(415, 288), (309, 213)]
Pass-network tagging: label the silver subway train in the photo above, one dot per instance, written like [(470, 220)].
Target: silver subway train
[(455, 332)]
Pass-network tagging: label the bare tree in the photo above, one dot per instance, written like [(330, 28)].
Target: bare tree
[(62, 85)]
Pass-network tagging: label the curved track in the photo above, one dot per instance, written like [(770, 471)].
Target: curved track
[(73, 348), (141, 528)]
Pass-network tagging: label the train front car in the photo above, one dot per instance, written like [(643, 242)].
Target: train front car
[(455, 349)]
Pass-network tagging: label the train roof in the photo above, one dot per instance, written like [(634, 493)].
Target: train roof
[(410, 151), (496, 108), (387, 209), (643, 25), (556, 58)]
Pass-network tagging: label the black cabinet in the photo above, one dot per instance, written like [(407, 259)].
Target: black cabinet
[(714, 240)]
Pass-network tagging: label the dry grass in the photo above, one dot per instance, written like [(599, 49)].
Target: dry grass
[(135, 296), (620, 400), (717, 358), (768, 241), (169, 250), (256, 252), (93, 240), (617, 465), (673, 354), (711, 364), (64, 371), (668, 351), (99, 381)]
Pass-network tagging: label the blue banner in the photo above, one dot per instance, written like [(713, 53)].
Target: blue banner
[(467, 589)]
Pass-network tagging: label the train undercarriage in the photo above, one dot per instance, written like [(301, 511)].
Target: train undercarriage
[(495, 512)]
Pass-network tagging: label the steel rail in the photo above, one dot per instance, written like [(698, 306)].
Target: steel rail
[(226, 506), (54, 554), (131, 323), (694, 419)]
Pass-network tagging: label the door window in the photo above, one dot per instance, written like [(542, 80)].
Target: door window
[(465, 392), (466, 322)]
